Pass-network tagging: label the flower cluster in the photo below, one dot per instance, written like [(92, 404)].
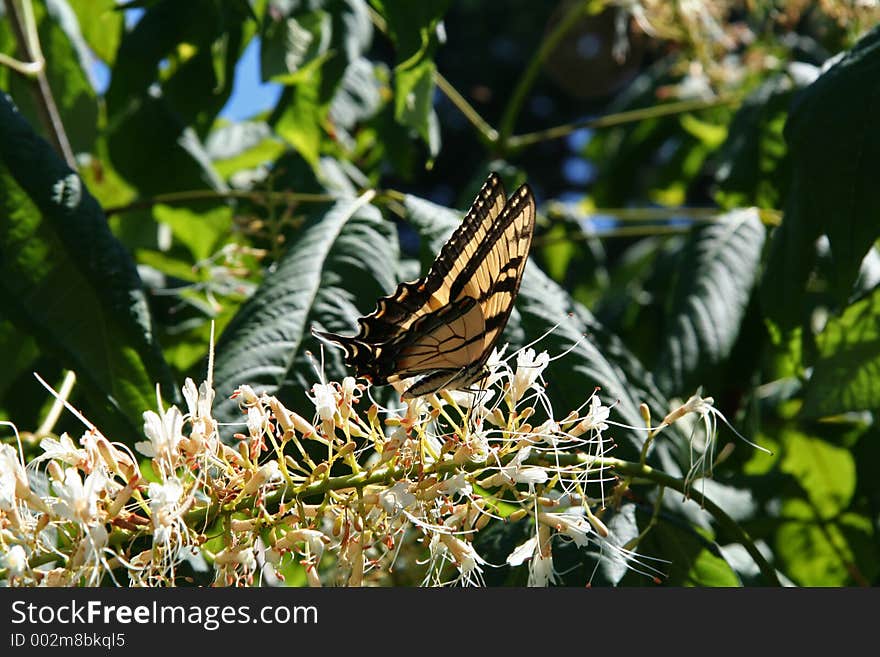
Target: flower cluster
[(351, 497)]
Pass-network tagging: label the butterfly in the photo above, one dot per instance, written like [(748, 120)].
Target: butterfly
[(442, 328)]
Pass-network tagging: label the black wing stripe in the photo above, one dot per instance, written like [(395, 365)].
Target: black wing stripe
[(518, 204)]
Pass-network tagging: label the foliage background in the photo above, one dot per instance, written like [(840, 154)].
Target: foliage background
[(708, 216)]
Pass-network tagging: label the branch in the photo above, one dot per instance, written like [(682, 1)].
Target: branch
[(21, 17), (486, 131), (620, 118)]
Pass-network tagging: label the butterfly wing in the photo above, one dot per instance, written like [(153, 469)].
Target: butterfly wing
[(445, 324)]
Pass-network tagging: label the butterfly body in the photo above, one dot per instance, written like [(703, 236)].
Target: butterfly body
[(443, 326)]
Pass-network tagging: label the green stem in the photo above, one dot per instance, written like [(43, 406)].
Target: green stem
[(548, 45), (620, 118), (24, 27), (488, 134)]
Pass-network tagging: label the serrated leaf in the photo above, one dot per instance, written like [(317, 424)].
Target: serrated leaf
[(716, 275), (833, 138), (71, 283), (346, 255), (752, 164), (847, 369)]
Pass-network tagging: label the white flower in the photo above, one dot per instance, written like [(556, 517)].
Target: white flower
[(529, 367), (516, 472), (267, 473), (397, 498), (523, 552), (324, 399), (16, 561), (257, 421), (13, 480), (595, 421), (98, 539), (497, 366), (164, 432), (573, 525), (78, 499), (541, 571), (478, 401), (198, 400), (313, 539), (457, 485), (63, 449), (465, 558), (548, 432), (164, 507)]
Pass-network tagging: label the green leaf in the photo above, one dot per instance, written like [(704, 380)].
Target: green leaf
[(289, 44), (296, 35), (310, 46), (817, 552), (826, 473), (833, 138), (692, 559), (19, 351), (165, 93), (716, 274), (70, 283), (200, 232), (414, 101), (753, 166), (101, 26), (412, 27), (346, 255), (238, 147), (358, 99), (302, 123), (847, 371)]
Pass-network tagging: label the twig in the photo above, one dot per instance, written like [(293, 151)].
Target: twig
[(620, 118), (486, 131), (21, 17)]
